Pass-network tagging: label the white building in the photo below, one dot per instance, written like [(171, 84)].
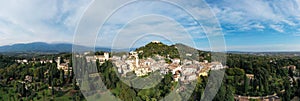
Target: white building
[(101, 58), (63, 66), (188, 54), (192, 77), (142, 71), (217, 66), (135, 55), (155, 42), (176, 60), (28, 78)]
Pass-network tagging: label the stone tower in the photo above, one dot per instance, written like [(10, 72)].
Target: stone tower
[(58, 61), (137, 61), (106, 56)]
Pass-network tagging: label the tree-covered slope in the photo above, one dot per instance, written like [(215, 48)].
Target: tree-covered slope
[(158, 48)]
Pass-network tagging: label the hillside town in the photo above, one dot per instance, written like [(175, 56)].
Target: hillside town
[(183, 70)]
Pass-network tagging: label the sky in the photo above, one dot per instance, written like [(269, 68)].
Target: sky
[(247, 25)]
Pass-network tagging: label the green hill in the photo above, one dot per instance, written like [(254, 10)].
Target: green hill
[(174, 51), (152, 49)]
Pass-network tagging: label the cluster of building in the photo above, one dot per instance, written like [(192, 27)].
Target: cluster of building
[(141, 67), (291, 67), (191, 69), (25, 61), (94, 58), (184, 71), (63, 65)]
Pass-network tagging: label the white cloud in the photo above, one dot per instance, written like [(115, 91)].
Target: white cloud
[(55, 20), (297, 33), (241, 14), (278, 28), (34, 20), (143, 26), (130, 12), (259, 26)]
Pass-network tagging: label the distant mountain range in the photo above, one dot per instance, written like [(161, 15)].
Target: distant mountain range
[(47, 48), (41, 47)]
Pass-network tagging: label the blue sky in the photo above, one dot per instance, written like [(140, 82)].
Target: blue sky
[(247, 25)]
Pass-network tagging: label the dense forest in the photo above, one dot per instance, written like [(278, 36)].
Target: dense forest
[(47, 83), (6, 61), (270, 76)]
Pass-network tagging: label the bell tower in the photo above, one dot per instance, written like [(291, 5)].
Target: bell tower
[(106, 56)]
